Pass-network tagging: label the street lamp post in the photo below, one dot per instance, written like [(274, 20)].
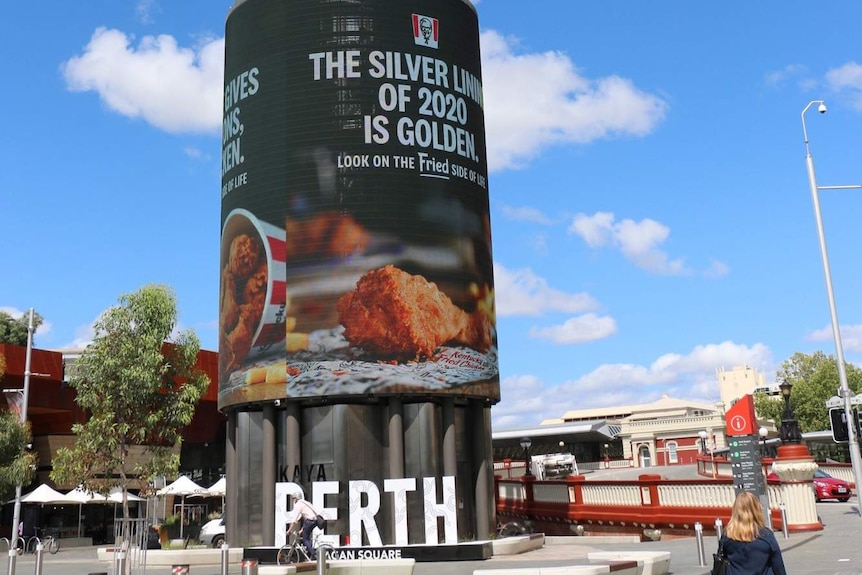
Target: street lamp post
[(790, 432), (526, 443), (844, 389), (702, 435), (16, 513), (762, 432)]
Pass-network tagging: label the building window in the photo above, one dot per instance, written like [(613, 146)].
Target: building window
[(671, 452)]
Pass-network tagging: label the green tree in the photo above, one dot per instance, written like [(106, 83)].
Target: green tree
[(16, 463), (138, 392), (815, 379), (14, 330)]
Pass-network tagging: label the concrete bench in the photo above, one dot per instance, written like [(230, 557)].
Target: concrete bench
[(591, 539), (518, 544), (649, 562), (286, 569), (615, 567), (157, 557), (371, 567), (347, 567)]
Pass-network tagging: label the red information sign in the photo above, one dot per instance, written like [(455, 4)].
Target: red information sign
[(740, 418)]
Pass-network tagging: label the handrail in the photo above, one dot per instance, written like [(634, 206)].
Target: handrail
[(556, 507)]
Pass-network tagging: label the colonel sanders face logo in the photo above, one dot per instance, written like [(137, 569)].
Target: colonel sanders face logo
[(425, 28), (426, 31)]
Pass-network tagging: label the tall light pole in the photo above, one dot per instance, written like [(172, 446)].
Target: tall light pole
[(16, 514), (844, 389)]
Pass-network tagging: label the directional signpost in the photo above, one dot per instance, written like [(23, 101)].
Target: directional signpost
[(745, 463)]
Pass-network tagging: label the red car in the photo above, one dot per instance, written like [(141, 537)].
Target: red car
[(826, 486)]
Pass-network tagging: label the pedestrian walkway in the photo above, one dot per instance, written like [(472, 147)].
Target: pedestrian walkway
[(836, 550)]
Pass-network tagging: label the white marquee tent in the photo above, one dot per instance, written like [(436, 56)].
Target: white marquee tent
[(183, 486)]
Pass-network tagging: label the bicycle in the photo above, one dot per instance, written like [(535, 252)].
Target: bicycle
[(292, 552), (49, 544)]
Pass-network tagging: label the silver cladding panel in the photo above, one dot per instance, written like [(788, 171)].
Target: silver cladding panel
[(249, 435)]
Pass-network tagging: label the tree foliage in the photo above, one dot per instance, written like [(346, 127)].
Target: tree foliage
[(14, 330), (17, 465), (136, 391), (815, 379)]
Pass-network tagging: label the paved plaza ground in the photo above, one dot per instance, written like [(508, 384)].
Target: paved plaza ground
[(836, 550)]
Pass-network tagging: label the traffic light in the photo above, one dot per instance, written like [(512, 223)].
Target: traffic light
[(838, 422)]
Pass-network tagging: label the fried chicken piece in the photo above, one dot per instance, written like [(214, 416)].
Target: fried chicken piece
[(328, 234), (238, 341), (244, 255), (229, 307), (254, 292), (347, 237), (401, 316)]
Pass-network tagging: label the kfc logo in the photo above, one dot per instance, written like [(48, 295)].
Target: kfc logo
[(426, 31)]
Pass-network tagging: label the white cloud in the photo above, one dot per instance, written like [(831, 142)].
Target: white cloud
[(526, 400), (145, 9), (523, 399), (847, 79), (526, 214), (179, 89), (580, 329), (556, 104), (778, 77), (694, 370), (851, 336), (540, 244), (638, 241), (521, 292), (716, 269), (173, 88), (84, 335), (195, 153)]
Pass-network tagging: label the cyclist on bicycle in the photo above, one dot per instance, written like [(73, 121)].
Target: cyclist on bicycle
[(306, 519)]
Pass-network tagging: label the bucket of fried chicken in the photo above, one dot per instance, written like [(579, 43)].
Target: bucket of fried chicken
[(253, 298)]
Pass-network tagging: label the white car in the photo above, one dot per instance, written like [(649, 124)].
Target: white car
[(212, 532)]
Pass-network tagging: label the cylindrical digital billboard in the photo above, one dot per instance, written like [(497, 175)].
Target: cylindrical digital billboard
[(356, 243)]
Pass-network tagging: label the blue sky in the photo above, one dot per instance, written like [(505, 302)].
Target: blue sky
[(651, 217)]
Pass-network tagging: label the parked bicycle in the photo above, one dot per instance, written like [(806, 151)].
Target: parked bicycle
[(49, 544)]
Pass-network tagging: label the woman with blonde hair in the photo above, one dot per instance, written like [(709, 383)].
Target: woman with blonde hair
[(750, 547)]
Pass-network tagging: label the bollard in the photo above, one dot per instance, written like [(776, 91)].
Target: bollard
[(180, 569), (225, 558), (783, 509), (13, 557), (249, 567), (322, 548), (718, 528), (120, 562), (39, 550), (698, 535)]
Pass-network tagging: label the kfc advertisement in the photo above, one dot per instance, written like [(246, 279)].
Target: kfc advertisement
[(356, 240)]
